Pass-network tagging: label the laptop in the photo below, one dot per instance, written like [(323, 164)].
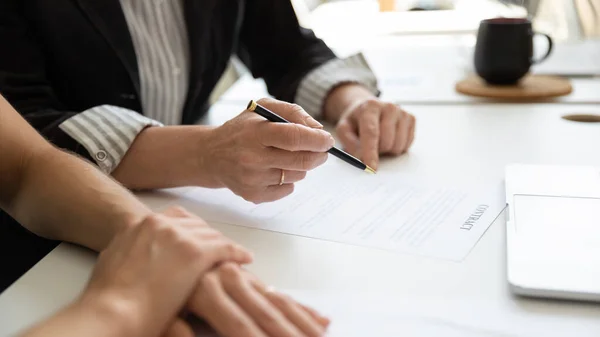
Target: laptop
[(553, 231)]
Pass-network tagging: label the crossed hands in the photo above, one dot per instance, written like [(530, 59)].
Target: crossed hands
[(174, 262)]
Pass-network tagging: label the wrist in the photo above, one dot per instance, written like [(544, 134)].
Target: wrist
[(205, 163), (114, 315), (342, 98)]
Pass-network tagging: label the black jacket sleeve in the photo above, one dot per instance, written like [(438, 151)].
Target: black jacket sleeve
[(276, 48), (23, 79)]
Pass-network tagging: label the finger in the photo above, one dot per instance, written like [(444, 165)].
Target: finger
[(179, 328), (212, 303), (402, 136), (178, 212), (291, 112), (222, 250), (324, 321), (347, 132), (263, 312), (413, 125), (295, 161), (206, 233), (275, 176), (261, 288), (296, 314), (368, 130), (390, 116), (294, 137)]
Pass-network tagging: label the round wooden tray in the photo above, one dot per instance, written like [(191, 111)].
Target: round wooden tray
[(529, 88)]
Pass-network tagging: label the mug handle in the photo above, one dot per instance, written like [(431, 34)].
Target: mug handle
[(550, 46)]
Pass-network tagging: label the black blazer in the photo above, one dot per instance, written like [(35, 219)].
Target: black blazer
[(61, 57)]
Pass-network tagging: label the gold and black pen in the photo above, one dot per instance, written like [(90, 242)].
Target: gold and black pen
[(273, 117)]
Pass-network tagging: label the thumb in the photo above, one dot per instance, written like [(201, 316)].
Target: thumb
[(291, 112)]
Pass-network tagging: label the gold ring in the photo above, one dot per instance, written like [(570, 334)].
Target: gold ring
[(282, 177)]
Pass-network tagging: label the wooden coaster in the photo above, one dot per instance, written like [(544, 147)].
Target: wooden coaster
[(531, 87)]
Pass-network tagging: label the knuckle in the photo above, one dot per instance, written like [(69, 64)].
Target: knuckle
[(210, 281), (230, 270), (309, 161), (411, 118), (391, 108), (371, 127), (265, 100), (153, 222), (371, 103), (287, 190), (251, 196), (303, 162), (294, 137), (191, 248), (296, 108), (231, 248)]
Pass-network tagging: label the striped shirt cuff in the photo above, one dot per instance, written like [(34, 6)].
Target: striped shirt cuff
[(315, 86), (106, 132)]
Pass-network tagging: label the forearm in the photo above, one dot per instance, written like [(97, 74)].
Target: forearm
[(85, 320), (166, 157), (64, 198)]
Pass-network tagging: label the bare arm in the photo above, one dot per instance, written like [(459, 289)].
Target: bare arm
[(56, 195)]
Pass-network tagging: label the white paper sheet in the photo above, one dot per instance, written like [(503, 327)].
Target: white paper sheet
[(388, 211)]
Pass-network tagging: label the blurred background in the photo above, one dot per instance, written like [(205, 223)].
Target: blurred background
[(424, 34)]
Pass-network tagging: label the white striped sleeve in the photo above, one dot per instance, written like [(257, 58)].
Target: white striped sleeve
[(106, 132), (315, 86)]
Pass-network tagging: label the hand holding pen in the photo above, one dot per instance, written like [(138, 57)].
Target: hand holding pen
[(261, 161), (273, 117)]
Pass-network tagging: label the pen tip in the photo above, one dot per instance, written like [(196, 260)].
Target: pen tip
[(251, 106), (370, 170)]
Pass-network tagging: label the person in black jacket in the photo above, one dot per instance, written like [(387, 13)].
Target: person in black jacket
[(114, 80)]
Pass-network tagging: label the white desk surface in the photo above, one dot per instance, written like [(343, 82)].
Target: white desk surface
[(457, 143)]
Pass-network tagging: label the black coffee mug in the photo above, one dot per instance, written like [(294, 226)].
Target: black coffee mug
[(504, 50)]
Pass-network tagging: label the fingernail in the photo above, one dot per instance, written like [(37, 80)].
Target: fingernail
[(374, 164), (313, 123), (330, 140)]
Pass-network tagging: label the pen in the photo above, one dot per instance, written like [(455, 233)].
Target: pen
[(273, 117)]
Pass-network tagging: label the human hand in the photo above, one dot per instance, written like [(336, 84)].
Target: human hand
[(236, 304), (248, 153), (368, 127), (148, 272)]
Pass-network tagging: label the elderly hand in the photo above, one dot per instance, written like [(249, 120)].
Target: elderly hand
[(250, 155), (368, 127)]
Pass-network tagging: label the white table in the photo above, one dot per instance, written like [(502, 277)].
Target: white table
[(425, 69), (467, 143)]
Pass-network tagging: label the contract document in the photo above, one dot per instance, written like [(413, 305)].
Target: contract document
[(387, 210)]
